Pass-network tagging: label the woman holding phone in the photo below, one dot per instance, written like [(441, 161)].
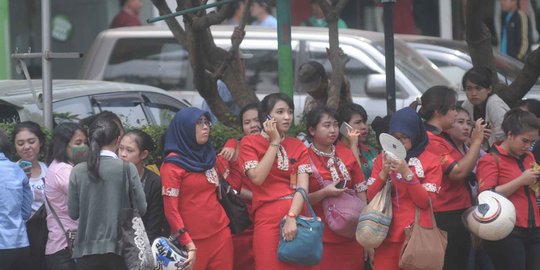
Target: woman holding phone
[(338, 164), (276, 165)]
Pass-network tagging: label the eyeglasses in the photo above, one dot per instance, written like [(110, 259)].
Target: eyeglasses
[(204, 122)]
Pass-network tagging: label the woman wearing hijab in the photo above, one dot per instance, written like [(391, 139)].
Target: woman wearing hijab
[(415, 181), (189, 192)]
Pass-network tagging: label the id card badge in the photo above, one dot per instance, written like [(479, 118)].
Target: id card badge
[(293, 181)]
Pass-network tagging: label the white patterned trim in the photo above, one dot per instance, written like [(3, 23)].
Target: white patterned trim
[(250, 164), (361, 187), (171, 192), (430, 187), (417, 166), (140, 239), (370, 181), (212, 176), (304, 168)]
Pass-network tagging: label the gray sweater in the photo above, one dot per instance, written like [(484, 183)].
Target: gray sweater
[(97, 205)]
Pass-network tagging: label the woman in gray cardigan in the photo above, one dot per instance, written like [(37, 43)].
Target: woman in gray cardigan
[(97, 193)]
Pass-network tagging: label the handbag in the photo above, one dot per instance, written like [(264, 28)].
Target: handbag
[(341, 212), (70, 235), (234, 207), (168, 254), (134, 243), (306, 247), (424, 248), (375, 219)]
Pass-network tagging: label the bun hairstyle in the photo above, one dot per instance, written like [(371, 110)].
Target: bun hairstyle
[(439, 99), (103, 131)]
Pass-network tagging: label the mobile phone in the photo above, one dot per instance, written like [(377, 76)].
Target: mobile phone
[(345, 128), (341, 184), (268, 117), (25, 165)]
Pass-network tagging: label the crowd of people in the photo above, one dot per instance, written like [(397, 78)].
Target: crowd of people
[(452, 154)]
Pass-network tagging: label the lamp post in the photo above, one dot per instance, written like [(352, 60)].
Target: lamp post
[(285, 68)]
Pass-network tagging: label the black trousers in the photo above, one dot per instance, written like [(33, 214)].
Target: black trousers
[(60, 260), (459, 239), (15, 259), (109, 261), (518, 251)]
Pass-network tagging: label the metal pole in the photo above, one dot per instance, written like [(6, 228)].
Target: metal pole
[(445, 18), (285, 68), (46, 63), (388, 18), (189, 10)]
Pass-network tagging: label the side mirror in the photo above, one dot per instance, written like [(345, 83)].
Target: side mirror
[(375, 85)]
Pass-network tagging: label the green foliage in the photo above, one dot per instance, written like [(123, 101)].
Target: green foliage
[(221, 133)]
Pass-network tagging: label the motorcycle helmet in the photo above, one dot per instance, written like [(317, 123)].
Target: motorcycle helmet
[(493, 218), (167, 256)]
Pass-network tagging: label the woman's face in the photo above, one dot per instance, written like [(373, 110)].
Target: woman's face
[(476, 94), (202, 130), (461, 128), (27, 145), (359, 123), (283, 115), (250, 122), (521, 143), (448, 119), (326, 131), (406, 141), (129, 150), (78, 139)]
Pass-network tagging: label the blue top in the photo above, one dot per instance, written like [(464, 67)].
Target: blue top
[(269, 21), (15, 204), (226, 96)]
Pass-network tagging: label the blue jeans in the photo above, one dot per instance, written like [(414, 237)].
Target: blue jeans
[(518, 251)]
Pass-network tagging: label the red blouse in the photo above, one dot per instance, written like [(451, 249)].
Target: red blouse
[(491, 175), (357, 183), (278, 181), (190, 202), (453, 195), (406, 196)]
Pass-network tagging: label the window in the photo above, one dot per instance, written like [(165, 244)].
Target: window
[(162, 108), (160, 62), (72, 110), (128, 107)]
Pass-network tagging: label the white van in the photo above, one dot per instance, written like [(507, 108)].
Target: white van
[(149, 55)]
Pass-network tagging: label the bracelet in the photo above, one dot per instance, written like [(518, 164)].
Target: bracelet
[(274, 144)]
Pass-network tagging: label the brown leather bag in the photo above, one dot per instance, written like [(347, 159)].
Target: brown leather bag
[(424, 248)]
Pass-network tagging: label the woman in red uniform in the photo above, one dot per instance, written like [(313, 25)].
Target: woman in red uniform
[(508, 171), (336, 163), (189, 192), (232, 172), (276, 165), (439, 111), (414, 181)]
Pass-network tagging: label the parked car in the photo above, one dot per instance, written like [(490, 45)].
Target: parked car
[(137, 105), (452, 58), (149, 55)]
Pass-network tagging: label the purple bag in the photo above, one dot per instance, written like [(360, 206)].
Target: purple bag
[(341, 212)]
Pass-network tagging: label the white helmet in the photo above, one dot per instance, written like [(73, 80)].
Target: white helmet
[(167, 255), (493, 218)]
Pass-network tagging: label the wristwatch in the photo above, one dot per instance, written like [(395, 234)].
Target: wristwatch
[(409, 177)]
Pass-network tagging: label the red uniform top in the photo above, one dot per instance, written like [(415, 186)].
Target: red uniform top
[(357, 182), (509, 168), (292, 159), (409, 195), (453, 195), (232, 173), (190, 202), (125, 18)]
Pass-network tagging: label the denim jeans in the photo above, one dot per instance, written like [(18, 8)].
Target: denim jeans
[(518, 251), (60, 260)]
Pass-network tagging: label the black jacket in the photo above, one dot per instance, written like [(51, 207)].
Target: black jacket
[(154, 219), (518, 34)]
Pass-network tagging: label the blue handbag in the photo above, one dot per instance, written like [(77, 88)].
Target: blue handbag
[(306, 247)]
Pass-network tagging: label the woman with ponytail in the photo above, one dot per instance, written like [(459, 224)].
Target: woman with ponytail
[(97, 192)]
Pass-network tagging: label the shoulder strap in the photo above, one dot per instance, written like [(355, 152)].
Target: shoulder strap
[(316, 173), (57, 219)]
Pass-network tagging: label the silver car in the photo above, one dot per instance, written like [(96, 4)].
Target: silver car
[(73, 100), (149, 55)]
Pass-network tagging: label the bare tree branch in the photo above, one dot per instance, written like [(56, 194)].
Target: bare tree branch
[(177, 30), (213, 18)]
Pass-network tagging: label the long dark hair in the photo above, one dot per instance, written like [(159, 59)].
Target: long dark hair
[(268, 103), (61, 136), (103, 131)]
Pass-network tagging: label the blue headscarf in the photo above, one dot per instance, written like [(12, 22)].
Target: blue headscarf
[(180, 139), (407, 122)]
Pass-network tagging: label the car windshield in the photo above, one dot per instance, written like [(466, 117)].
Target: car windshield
[(420, 71)]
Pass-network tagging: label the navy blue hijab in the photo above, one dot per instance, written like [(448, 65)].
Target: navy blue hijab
[(180, 139), (407, 122)]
